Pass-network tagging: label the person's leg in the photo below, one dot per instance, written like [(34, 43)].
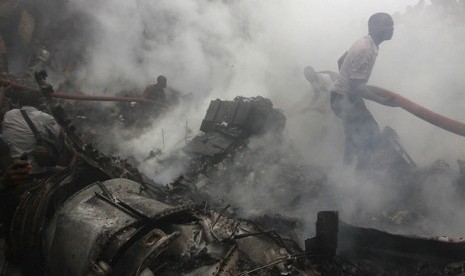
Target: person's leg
[(344, 109), (350, 147), (336, 103), (367, 137)]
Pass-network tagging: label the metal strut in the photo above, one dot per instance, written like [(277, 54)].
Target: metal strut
[(107, 197)]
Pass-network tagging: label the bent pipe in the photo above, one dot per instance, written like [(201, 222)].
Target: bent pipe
[(79, 97), (421, 112)]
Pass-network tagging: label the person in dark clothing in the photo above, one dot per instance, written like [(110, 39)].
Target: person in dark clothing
[(14, 179), (156, 91), (13, 172), (360, 128)]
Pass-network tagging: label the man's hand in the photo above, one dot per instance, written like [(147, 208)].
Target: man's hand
[(387, 97), (16, 173), (390, 101)]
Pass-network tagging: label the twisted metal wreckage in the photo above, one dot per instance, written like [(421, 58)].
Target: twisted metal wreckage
[(103, 217)]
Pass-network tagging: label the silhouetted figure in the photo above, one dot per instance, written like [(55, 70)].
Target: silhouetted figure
[(156, 91)]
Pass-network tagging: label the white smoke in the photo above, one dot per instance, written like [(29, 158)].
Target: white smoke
[(222, 49)]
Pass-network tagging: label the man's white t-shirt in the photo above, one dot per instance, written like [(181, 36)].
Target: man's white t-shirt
[(357, 64), (19, 136)]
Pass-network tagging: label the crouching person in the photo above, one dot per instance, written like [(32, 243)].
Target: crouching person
[(35, 136), (32, 147)]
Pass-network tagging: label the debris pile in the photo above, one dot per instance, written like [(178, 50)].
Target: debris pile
[(241, 206), (167, 230), (243, 158), (118, 229)]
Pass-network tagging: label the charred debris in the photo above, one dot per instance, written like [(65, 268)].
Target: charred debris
[(104, 217), (232, 211)]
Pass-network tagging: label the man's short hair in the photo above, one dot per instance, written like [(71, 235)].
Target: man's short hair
[(25, 98), (379, 19)]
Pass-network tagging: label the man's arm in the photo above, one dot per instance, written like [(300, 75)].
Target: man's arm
[(147, 91), (359, 86)]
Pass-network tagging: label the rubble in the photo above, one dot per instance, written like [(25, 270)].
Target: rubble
[(117, 228), (231, 212), (122, 227), (116, 217), (231, 156)]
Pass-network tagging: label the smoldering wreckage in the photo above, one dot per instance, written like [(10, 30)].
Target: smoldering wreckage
[(104, 217)]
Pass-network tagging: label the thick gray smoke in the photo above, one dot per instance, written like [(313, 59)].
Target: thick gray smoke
[(222, 49)]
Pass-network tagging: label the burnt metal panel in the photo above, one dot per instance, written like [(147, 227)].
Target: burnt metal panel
[(85, 224), (254, 115), (366, 243), (210, 144), (359, 241), (226, 114), (391, 154)]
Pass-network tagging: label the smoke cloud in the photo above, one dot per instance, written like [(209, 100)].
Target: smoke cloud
[(222, 49)]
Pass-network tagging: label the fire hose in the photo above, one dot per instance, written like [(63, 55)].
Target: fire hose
[(434, 118), (80, 97), (421, 112)]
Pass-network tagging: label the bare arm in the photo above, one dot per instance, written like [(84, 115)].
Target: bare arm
[(146, 93), (359, 86)]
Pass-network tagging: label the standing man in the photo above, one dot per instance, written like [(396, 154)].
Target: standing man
[(360, 128), (156, 91)]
